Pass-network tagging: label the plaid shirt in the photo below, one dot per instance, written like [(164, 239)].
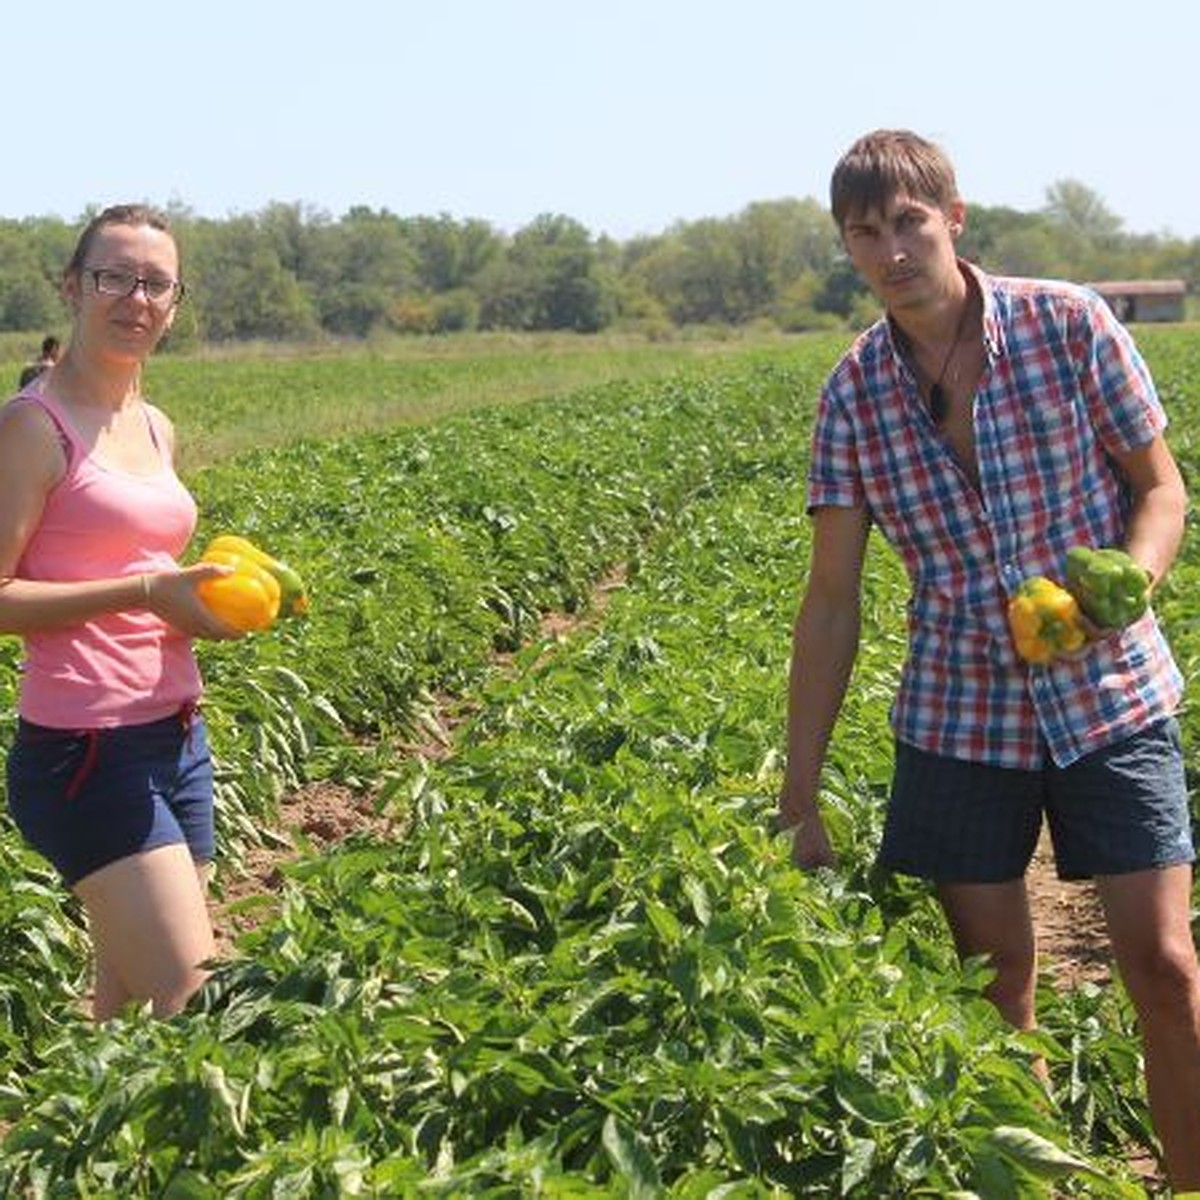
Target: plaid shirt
[(1063, 386)]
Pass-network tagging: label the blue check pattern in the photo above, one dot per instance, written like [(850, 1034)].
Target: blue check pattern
[(1063, 388)]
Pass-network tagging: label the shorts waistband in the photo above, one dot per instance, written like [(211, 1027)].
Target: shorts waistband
[(185, 715), (183, 718)]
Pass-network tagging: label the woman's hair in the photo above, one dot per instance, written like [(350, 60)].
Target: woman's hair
[(115, 214), (881, 165)]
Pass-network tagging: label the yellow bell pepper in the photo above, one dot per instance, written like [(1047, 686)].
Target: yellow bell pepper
[(1044, 619), (247, 599), (293, 600)]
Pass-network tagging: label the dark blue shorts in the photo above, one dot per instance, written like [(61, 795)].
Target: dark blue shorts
[(84, 799), (1122, 808)]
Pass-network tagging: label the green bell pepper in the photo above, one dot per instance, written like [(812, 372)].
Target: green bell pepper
[(1112, 589)]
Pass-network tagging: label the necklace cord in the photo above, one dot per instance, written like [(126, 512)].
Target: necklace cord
[(938, 404)]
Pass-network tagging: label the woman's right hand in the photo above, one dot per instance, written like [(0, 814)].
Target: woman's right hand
[(172, 596)]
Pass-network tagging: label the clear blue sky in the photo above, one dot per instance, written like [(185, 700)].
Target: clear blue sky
[(625, 114)]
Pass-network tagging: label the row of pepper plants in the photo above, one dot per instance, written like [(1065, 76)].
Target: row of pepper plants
[(585, 966)]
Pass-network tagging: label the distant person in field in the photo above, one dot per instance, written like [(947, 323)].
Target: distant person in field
[(109, 774), (47, 359), (986, 425)]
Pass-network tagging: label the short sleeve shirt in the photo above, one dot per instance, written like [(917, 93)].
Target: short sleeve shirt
[(1062, 390)]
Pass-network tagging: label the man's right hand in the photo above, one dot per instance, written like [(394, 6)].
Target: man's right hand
[(810, 846), (810, 842)]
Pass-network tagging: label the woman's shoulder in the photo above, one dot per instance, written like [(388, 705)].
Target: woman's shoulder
[(26, 416), (31, 440)]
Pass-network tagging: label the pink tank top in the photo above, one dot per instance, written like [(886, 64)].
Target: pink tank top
[(100, 522)]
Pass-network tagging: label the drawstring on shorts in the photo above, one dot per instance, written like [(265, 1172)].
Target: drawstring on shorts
[(187, 718), (187, 721), (90, 754)]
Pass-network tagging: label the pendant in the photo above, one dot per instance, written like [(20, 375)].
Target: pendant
[(939, 405)]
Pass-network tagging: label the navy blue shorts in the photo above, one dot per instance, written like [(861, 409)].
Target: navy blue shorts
[(1119, 809), (86, 798)]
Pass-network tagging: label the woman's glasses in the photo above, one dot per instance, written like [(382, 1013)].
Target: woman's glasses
[(159, 289)]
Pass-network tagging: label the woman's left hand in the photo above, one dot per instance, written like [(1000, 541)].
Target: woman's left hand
[(172, 595)]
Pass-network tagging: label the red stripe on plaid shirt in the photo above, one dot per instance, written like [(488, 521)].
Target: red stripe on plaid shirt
[(1063, 387)]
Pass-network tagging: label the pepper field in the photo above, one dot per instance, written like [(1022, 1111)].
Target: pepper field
[(584, 967)]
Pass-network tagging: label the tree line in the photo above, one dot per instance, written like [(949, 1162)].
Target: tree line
[(290, 272)]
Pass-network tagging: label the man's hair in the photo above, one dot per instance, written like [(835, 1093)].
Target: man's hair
[(115, 214), (881, 165)]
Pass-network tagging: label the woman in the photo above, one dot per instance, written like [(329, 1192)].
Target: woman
[(109, 775)]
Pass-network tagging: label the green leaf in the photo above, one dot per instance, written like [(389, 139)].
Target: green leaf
[(665, 923), (632, 1159), (188, 1185), (697, 894), (218, 1086), (863, 1098), (856, 1163), (1038, 1154)]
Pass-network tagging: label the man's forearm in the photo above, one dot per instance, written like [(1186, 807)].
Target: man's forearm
[(825, 643), (1155, 529)]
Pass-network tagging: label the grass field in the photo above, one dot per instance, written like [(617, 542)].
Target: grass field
[(226, 400)]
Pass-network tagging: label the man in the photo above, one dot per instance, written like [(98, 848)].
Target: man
[(47, 359), (987, 425)]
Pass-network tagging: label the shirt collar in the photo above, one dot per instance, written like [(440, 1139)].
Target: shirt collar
[(993, 328)]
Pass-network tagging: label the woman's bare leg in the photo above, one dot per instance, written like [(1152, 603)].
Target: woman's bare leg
[(150, 930)]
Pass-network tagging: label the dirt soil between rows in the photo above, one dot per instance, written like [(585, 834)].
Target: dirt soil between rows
[(1072, 938)]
